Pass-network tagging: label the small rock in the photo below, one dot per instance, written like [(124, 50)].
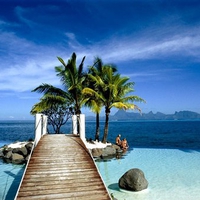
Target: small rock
[(8, 155), (96, 152), (22, 151), (29, 146), (17, 158), (108, 151), (116, 147), (27, 157), (1, 153)]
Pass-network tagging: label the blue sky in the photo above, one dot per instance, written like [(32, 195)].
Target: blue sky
[(155, 43)]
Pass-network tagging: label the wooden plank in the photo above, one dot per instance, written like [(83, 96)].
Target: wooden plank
[(62, 168)]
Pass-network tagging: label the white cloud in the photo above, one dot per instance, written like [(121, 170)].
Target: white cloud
[(163, 74), (11, 117), (129, 49), (20, 12), (27, 76), (25, 65), (159, 43)]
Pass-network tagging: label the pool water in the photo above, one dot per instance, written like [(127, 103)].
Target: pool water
[(171, 173), (10, 177)]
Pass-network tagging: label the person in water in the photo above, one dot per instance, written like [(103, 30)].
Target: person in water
[(118, 140), (124, 144)]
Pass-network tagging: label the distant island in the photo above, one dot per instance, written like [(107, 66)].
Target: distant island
[(122, 115)]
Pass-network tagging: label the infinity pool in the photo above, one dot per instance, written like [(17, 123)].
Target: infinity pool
[(172, 174)]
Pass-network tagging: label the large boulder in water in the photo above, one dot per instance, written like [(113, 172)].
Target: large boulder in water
[(133, 180)]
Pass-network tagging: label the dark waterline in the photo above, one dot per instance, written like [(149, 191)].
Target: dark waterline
[(156, 134), (140, 134)]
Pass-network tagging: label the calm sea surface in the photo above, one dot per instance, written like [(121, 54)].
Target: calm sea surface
[(150, 137)]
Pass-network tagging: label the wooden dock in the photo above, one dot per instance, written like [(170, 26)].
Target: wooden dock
[(61, 167)]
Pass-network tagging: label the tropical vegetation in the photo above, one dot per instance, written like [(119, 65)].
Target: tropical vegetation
[(93, 101), (69, 98), (101, 86), (55, 103), (111, 90)]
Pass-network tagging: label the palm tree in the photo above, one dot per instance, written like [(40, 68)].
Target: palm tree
[(93, 101), (116, 95), (73, 79), (95, 105), (112, 92)]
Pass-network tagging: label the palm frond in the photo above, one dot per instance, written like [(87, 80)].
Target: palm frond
[(80, 68), (61, 60)]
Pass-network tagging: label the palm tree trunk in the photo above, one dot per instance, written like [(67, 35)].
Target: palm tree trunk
[(97, 127), (106, 128)]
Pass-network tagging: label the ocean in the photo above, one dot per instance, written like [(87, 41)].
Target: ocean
[(168, 152)]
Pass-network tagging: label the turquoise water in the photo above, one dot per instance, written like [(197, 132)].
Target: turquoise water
[(10, 176), (172, 174)]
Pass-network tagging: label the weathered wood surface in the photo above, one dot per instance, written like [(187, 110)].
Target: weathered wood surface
[(62, 168)]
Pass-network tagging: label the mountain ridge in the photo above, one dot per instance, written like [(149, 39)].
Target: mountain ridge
[(127, 116)]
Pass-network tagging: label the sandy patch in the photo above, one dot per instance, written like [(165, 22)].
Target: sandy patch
[(17, 145), (96, 144)]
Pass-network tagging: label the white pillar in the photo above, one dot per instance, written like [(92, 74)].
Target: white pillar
[(74, 124), (44, 123), (38, 128), (82, 127)]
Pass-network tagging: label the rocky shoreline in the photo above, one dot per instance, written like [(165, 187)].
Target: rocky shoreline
[(16, 153), (110, 151)]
